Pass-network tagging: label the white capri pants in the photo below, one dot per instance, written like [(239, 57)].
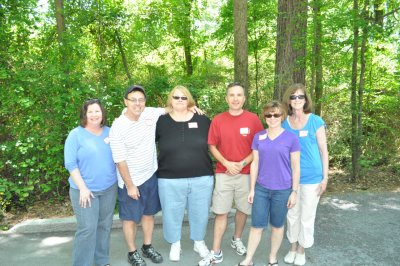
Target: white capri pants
[(301, 217)]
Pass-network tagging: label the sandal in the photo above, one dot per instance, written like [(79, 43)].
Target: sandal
[(273, 263)]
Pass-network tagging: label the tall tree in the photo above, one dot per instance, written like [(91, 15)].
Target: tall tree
[(241, 62), (317, 71), (354, 110), (187, 38), (60, 21), (123, 57), (182, 21), (290, 66)]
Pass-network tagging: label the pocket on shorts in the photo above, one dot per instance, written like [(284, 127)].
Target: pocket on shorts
[(122, 194)]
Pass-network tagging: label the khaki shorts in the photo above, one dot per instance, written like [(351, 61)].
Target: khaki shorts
[(231, 189)]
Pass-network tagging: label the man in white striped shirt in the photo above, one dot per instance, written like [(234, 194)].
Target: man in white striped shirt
[(132, 139)]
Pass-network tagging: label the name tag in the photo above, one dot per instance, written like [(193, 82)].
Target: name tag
[(262, 137), (303, 133), (244, 131), (107, 140), (193, 125)]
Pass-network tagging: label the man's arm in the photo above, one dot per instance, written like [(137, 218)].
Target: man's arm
[(132, 190)]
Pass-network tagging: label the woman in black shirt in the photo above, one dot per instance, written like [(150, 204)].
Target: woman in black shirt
[(185, 175)]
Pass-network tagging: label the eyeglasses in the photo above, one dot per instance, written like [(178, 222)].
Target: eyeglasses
[(272, 115), (300, 97), (134, 100), (183, 98)]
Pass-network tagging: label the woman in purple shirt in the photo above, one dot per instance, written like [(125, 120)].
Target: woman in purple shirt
[(275, 174)]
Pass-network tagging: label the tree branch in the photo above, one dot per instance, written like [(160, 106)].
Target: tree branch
[(391, 12)]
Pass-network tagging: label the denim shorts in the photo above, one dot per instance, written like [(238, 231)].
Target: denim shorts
[(148, 203), (270, 204)]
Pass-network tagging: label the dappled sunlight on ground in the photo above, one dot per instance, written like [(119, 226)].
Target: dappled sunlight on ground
[(340, 204), (55, 240)]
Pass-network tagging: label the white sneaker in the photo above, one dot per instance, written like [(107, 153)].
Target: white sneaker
[(175, 252), (238, 246), (211, 259), (201, 248), (289, 258), (300, 259)]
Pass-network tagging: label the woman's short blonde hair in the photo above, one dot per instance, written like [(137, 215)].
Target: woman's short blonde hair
[(307, 108), (185, 92)]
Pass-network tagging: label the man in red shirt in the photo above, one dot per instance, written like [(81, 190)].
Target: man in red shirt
[(229, 139)]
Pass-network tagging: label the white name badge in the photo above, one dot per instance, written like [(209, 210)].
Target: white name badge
[(262, 137), (244, 131), (107, 140), (303, 133), (193, 125)]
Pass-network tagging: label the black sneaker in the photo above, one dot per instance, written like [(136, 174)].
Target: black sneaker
[(135, 259), (152, 254)]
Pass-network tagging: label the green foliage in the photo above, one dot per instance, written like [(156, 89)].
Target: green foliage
[(43, 83)]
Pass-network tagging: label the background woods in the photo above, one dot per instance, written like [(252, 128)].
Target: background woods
[(55, 54)]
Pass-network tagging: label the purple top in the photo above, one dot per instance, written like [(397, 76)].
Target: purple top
[(274, 169)]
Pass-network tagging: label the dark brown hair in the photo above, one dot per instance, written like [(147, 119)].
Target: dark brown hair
[(272, 107), (234, 84), (85, 106), (307, 108)]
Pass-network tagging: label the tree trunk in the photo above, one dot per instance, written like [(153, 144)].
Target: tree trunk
[(121, 50), (59, 13), (187, 37), (361, 84), (188, 55), (256, 60), (317, 56), (378, 10), (290, 66), (240, 43), (354, 130)]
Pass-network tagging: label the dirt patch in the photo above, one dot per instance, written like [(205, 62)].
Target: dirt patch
[(40, 210), (374, 180)]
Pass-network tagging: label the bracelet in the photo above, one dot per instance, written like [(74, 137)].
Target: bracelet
[(244, 163), (294, 190)]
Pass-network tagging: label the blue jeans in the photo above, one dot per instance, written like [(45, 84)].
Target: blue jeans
[(270, 204), (176, 195), (92, 237)]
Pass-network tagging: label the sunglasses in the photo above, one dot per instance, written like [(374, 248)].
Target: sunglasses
[(272, 115), (183, 98), (300, 97)]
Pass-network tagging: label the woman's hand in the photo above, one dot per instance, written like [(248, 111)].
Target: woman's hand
[(322, 186), (85, 196), (250, 197), (292, 200)]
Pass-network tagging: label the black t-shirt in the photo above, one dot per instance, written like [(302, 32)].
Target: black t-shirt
[(183, 148)]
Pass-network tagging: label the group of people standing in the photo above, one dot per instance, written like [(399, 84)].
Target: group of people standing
[(270, 174)]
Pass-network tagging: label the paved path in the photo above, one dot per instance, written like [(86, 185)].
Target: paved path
[(351, 229)]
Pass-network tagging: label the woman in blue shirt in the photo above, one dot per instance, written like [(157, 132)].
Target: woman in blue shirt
[(93, 184), (314, 164)]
